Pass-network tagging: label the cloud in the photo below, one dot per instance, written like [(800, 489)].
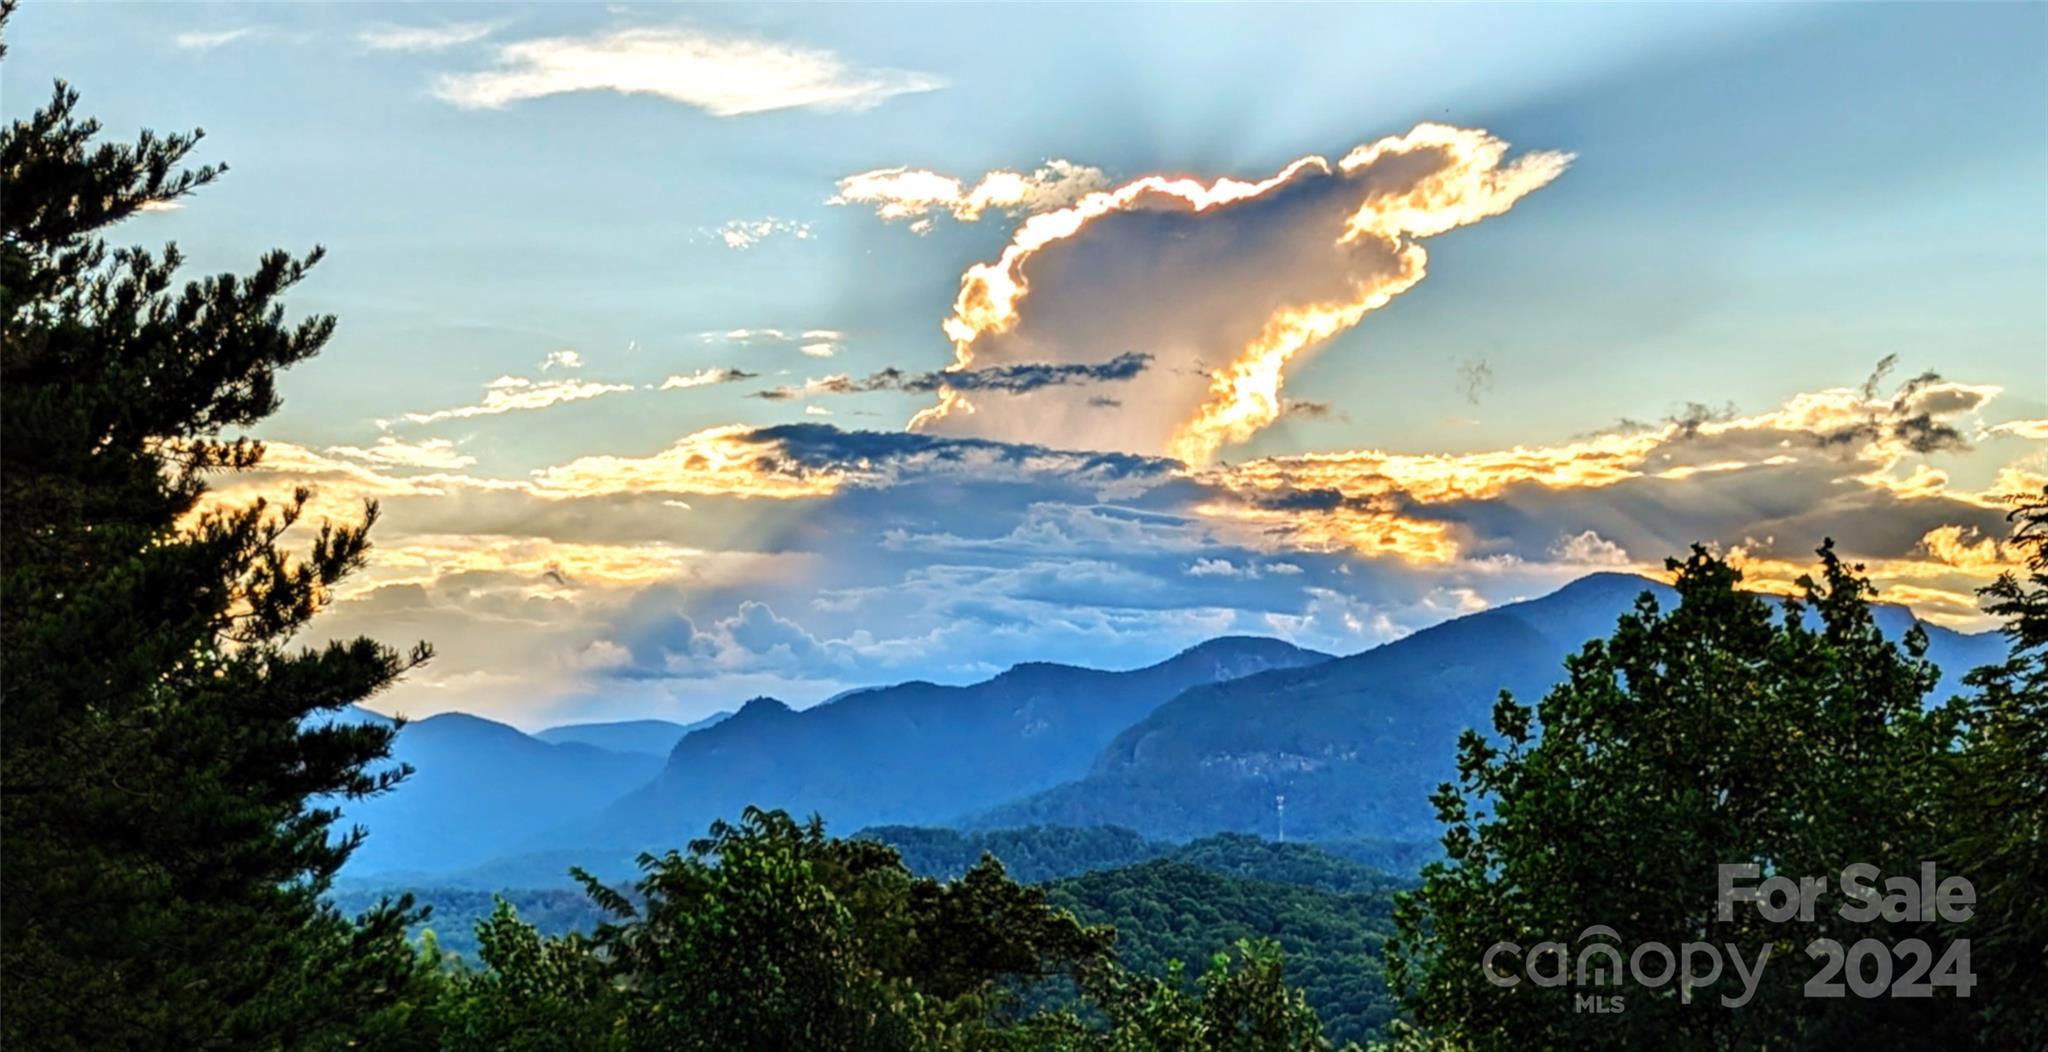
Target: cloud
[(876, 556), (742, 234), (391, 451), (747, 336), (208, 40), (508, 394), (814, 343), (915, 195), (1966, 548), (1224, 282), (1014, 379), (561, 360), (2037, 430), (811, 460), (425, 38), (705, 377), (734, 460), (1846, 462), (1589, 549), (725, 76)]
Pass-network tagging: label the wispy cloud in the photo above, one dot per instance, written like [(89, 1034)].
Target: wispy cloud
[(743, 234), (706, 377), (208, 40), (725, 76), (425, 38), (508, 394), (392, 451), (814, 343), (561, 360), (916, 195)]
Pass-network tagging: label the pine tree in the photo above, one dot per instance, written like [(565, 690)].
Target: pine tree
[(165, 765)]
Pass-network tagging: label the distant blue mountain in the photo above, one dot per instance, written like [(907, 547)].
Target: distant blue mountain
[(1199, 744), (478, 788), (653, 737), (913, 752), (1356, 745)]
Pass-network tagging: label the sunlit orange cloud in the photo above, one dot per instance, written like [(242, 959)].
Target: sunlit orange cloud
[(1367, 531), (2034, 429), (539, 567), (1428, 181), (1802, 427), (1954, 546), (1937, 590), (720, 460), (1438, 477), (1356, 499), (341, 482)]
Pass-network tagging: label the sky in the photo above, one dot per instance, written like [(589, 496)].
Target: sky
[(695, 353)]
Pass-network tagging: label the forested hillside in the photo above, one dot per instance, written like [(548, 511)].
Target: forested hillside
[(1173, 910)]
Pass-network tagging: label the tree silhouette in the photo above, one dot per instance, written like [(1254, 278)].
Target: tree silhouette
[(163, 745)]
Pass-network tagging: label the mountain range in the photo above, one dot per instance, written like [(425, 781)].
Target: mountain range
[(1210, 740), (477, 788), (916, 753), (1352, 748), (653, 737)]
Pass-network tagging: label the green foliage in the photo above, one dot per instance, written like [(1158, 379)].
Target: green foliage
[(163, 863), (1039, 853), (534, 994), (1171, 910), (770, 935), (1319, 866), (1243, 1005), (1031, 854), (1997, 799), (452, 914), (1709, 734)]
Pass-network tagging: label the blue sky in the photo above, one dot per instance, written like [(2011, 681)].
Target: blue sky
[(1760, 205)]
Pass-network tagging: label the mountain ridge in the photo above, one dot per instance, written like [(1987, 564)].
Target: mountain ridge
[(912, 752), (651, 736), (1357, 744)]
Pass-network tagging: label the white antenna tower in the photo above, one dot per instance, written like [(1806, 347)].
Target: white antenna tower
[(1280, 814)]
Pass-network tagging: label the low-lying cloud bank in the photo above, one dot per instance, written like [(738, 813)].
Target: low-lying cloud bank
[(802, 559)]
